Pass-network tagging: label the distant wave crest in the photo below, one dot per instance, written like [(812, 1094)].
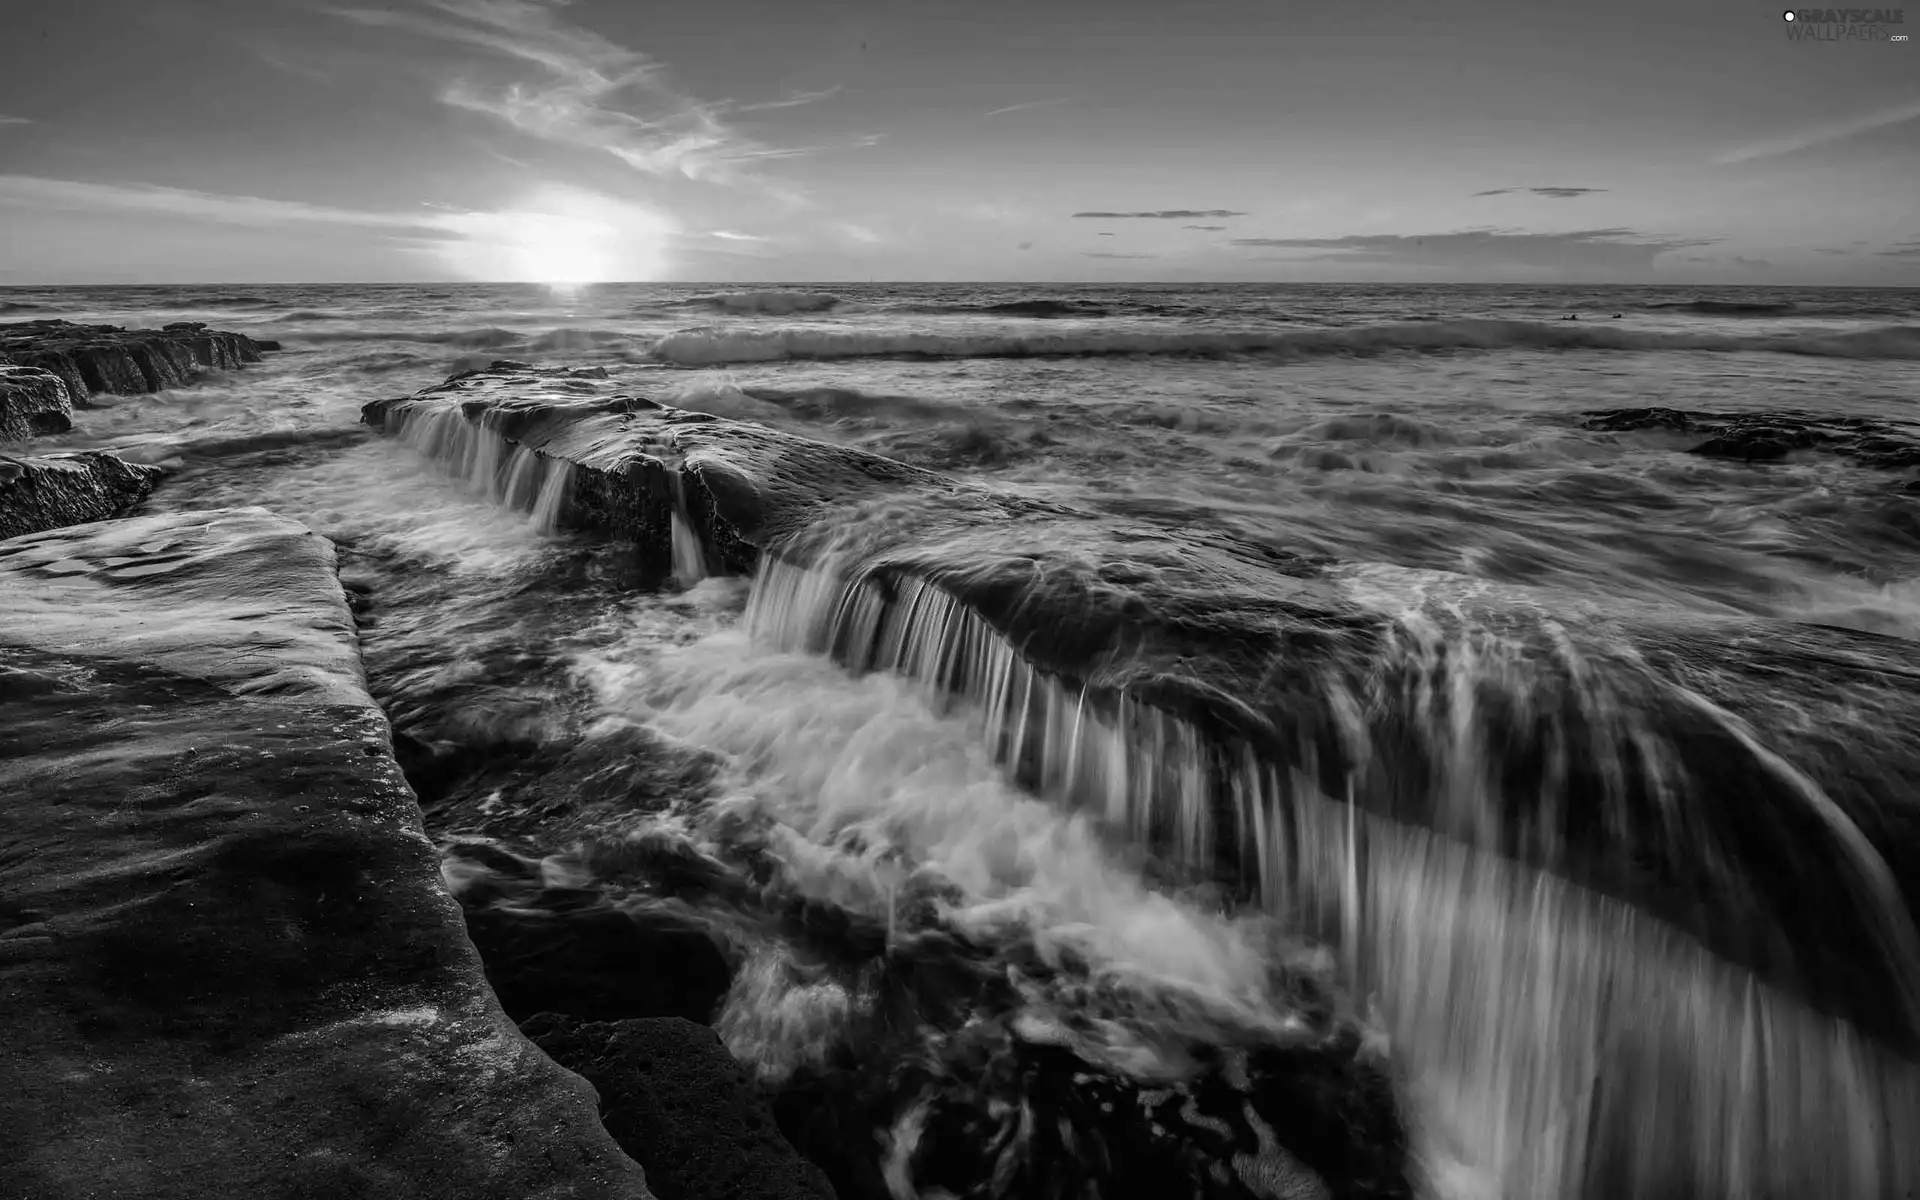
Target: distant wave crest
[(708, 346), (766, 303)]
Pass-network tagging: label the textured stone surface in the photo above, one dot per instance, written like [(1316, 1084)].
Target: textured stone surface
[(54, 490), (107, 358), (683, 1108), (33, 403), (227, 962)]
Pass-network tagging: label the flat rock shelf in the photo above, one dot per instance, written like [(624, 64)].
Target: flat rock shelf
[(228, 960)]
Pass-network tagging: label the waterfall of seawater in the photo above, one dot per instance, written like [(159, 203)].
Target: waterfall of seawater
[(1578, 1046), (521, 479), (689, 555)]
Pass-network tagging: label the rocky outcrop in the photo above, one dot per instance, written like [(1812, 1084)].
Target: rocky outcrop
[(1672, 825), (1769, 437), (229, 967), (53, 490), (33, 403), (106, 358), (677, 1102)]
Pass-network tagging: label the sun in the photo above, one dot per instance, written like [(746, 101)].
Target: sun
[(563, 237), (564, 251)]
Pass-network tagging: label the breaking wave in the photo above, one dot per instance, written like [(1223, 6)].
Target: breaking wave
[(709, 346)]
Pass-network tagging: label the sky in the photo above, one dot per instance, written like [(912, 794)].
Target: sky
[(259, 141)]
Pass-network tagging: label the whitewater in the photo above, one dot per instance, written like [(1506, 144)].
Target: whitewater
[(979, 923)]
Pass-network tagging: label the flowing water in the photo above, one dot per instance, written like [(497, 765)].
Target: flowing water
[(990, 938)]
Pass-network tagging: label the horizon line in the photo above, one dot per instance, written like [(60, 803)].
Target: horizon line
[(824, 283)]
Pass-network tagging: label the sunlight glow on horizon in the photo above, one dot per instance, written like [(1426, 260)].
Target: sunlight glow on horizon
[(561, 236)]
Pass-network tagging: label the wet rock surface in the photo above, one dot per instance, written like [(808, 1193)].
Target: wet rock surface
[(229, 965), (93, 359), (33, 403), (1769, 437), (55, 490), (678, 1103), (1306, 664)]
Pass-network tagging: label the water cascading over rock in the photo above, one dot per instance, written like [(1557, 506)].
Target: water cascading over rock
[(1636, 894)]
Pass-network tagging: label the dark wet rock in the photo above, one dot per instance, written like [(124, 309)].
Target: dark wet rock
[(995, 1109), (599, 962), (54, 490), (231, 969), (33, 403), (107, 358), (1769, 437), (680, 1105), (1289, 660), (265, 345)]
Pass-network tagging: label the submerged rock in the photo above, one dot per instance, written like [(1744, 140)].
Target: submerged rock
[(33, 403), (108, 358), (55, 490), (680, 1105), (1428, 768), (1768, 437), (232, 970)]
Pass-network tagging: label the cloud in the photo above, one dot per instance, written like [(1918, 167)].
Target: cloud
[(16, 121), (1553, 193), (1103, 233), (594, 93), (793, 101), (1829, 250), (1205, 228), (1171, 214), (1098, 254), (1821, 134), (560, 234), (1576, 250), (730, 236), (861, 234), (1751, 262), (1030, 104), (225, 209), (1910, 249), (1024, 246)]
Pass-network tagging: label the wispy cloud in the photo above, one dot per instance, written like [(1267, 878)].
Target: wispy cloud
[(1169, 214), (730, 236), (1553, 193), (1024, 246), (1205, 228), (1098, 254), (572, 233), (793, 101), (594, 93), (207, 206), (1029, 104), (16, 120), (1829, 250), (1103, 233), (1821, 134), (1604, 250), (1901, 250)]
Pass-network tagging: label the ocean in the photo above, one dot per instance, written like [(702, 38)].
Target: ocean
[(950, 979)]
